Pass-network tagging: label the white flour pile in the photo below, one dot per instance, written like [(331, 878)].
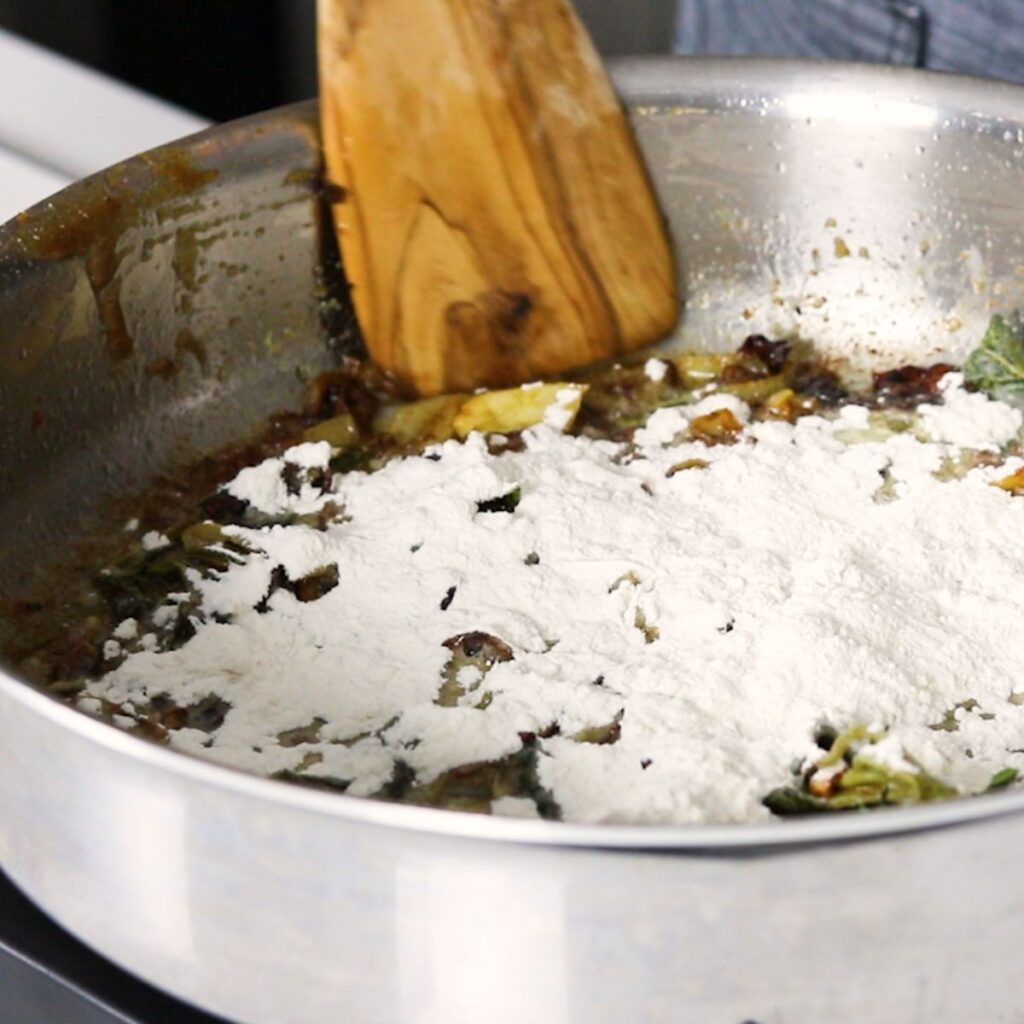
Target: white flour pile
[(719, 614)]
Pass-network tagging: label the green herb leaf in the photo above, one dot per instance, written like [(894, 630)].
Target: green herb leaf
[(602, 735), (1004, 778), (996, 366), (506, 503), (787, 801)]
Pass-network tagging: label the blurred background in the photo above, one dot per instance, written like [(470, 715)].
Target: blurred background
[(87, 83), (225, 58)]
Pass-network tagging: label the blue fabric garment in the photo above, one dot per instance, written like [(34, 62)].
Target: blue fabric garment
[(981, 37)]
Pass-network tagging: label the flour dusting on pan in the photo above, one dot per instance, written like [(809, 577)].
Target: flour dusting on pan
[(653, 630)]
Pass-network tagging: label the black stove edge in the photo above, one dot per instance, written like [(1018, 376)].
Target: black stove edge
[(48, 977)]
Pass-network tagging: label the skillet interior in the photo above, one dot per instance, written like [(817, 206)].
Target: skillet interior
[(164, 308), (167, 306)]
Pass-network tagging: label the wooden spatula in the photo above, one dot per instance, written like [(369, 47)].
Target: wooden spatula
[(497, 224)]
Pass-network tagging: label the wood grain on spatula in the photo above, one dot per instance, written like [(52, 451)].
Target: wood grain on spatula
[(498, 223)]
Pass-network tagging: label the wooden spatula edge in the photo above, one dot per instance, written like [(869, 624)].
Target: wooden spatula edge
[(498, 224)]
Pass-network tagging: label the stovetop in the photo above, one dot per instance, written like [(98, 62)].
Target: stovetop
[(47, 977)]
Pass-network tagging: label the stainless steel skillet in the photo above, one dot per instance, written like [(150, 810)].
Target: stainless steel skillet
[(169, 305)]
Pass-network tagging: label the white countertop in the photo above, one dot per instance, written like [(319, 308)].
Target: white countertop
[(23, 182), (60, 121)]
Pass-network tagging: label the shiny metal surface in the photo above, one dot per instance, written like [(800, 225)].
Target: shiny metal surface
[(271, 904)]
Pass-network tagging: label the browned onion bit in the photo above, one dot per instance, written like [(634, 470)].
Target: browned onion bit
[(907, 386)]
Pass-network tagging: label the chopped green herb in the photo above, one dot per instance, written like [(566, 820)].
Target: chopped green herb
[(1003, 778), (949, 721), (787, 801), (996, 366), (602, 735), (480, 651), (505, 503), (318, 583), (858, 782), (350, 459), (651, 633), (309, 588), (303, 734), (205, 715), (474, 787)]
